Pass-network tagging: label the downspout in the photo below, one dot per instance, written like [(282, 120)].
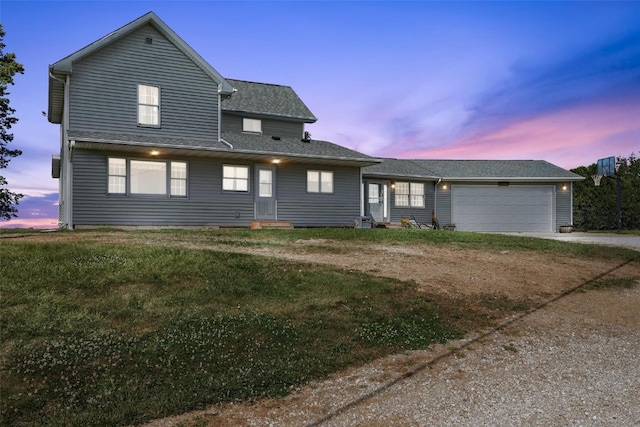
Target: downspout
[(220, 112), (435, 196), (68, 197), (228, 144)]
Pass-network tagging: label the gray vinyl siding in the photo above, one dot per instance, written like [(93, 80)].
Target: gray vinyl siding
[(563, 205), (233, 124), (422, 215), (206, 204), (303, 209), (103, 89), (443, 205)]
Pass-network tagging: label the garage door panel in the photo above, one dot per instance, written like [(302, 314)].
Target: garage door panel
[(502, 208)]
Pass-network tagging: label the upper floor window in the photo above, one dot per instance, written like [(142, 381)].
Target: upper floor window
[(319, 181), (251, 125), (148, 105), (235, 178), (147, 177), (409, 194)]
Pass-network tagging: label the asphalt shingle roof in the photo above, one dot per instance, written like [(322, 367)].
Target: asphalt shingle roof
[(470, 169), (267, 99), (243, 144)]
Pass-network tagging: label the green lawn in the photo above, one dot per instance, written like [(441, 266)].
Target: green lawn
[(116, 334)]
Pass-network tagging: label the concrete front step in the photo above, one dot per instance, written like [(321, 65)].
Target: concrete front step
[(282, 225)]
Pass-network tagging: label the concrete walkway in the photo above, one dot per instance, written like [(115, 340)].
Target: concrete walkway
[(608, 239)]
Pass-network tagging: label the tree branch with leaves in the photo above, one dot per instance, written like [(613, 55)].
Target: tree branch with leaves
[(9, 67)]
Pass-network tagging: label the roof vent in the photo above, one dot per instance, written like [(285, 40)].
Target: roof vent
[(275, 138), (149, 40), (306, 137)]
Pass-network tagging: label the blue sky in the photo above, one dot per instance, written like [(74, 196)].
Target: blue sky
[(555, 81)]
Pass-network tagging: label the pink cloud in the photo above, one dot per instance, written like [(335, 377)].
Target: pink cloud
[(570, 138)]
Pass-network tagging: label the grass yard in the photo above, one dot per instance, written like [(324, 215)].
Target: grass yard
[(113, 333)]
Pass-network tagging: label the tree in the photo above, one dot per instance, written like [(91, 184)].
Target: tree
[(8, 68), (595, 207)]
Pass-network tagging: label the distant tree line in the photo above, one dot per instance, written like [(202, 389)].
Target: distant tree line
[(594, 208)]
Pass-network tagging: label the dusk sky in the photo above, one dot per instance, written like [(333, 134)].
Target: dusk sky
[(554, 81)]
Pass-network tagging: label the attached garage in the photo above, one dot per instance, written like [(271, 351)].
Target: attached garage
[(508, 208), (477, 195)]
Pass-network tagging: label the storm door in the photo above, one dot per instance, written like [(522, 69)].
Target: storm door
[(265, 194), (375, 200)]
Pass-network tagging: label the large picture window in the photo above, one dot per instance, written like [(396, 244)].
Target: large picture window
[(409, 194), (147, 177), (235, 178), (148, 105), (319, 181)]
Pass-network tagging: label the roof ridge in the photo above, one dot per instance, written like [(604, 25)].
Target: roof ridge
[(257, 83)]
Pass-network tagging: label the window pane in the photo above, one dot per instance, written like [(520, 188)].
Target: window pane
[(327, 182), (265, 178), (148, 95), (178, 170), (147, 115), (178, 187), (251, 125), (235, 178), (148, 177), (117, 184), (402, 200), (117, 167), (313, 181), (402, 188)]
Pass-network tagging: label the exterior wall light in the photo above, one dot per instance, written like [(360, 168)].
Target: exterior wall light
[(154, 152)]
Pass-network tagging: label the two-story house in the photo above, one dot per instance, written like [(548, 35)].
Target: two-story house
[(151, 134)]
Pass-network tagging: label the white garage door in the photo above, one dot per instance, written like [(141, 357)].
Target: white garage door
[(502, 208)]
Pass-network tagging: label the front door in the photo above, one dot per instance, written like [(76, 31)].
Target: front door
[(375, 196), (265, 198)]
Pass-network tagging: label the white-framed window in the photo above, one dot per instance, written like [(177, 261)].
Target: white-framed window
[(144, 177), (319, 181), (409, 194), (148, 105), (179, 179), (117, 176), (235, 178), (417, 194), (251, 125)]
